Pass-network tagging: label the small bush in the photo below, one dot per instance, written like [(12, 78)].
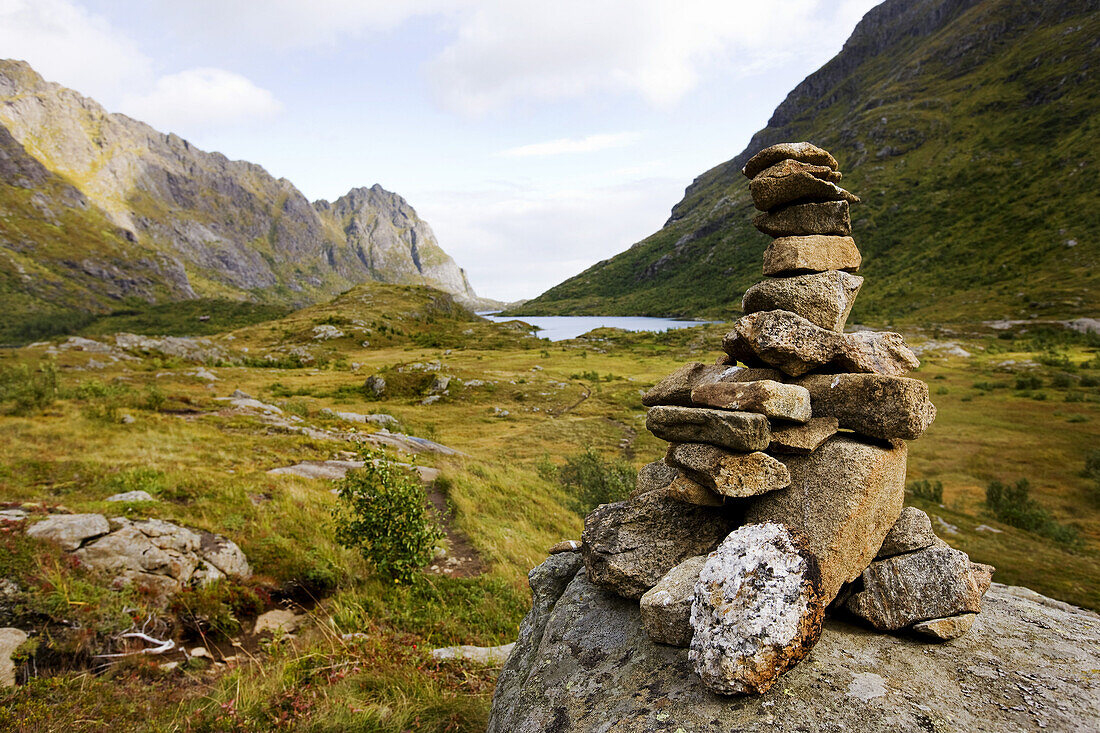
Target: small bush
[(384, 514), (1028, 381), (928, 490), (24, 391), (591, 481), (1013, 505)]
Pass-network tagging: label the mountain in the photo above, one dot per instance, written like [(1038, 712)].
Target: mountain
[(969, 129), (97, 209)]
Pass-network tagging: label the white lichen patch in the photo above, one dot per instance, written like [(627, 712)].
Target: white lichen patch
[(757, 609)]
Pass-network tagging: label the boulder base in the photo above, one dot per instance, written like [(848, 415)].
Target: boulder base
[(584, 663)]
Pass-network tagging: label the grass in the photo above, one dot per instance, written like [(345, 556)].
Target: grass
[(362, 663)]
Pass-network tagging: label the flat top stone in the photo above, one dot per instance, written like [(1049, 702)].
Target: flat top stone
[(803, 152), (70, 530), (811, 253), (588, 665)]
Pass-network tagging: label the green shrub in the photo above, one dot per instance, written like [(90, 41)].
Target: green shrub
[(1028, 381), (23, 390), (1013, 505), (384, 514), (928, 490), (590, 480)]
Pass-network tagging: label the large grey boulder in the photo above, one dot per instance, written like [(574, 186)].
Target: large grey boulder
[(875, 405), (825, 299), (757, 610), (630, 545), (843, 498), (815, 253), (736, 475), (738, 431), (69, 530), (583, 662), (666, 607), (931, 583)]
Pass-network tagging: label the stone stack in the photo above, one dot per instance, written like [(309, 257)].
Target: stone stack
[(781, 493)]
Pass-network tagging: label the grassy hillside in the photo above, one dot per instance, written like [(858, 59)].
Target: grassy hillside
[(1024, 404), (968, 130)]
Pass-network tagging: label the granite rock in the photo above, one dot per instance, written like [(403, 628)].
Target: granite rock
[(765, 396), (738, 431), (803, 152), (877, 352), (814, 253), (782, 339), (653, 476), (675, 389), (69, 531), (824, 299), (736, 475), (666, 607), (875, 405), (912, 531), (802, 439), (692, 492), (946, 629), (800, 220), (785, 183)]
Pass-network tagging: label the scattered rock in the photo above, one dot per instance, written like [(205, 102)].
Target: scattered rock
[(69, 531), (484, 655), (802, 439), (987, 528), (766, 397), (945, 629), (736, 475), (815, 253), (335, 470), (843, 499), (380, 419), (872, 404), (439, 384), (326, 332), (375, 385), (983, 575), (10, 640), (803, 152), (757, 611), (945, 526), (204, 374), (799, 220), (430, 400), (666, 607), (277, 621), (931, 583), (738, 431), (237, 395), (912, 531), (630, 545), (13, 515), (825, 299), (138, 495)]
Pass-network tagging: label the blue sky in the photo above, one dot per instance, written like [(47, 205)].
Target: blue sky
[(535, 138)]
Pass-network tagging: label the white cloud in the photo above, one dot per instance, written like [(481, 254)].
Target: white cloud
[(589, 144), (201, 97), (67, 44), (518, 243)]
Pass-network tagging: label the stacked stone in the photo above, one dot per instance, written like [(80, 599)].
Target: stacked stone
[(782, 489)]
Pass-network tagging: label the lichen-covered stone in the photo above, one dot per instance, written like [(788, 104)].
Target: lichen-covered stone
[(738, 431), (800, 220), (876, 352), (692, 492), (69, 530), (803, 152), (912, 531), (825, 299), (814, 253), (782, 339), (931, 583), (736, 475), (764, 396), (653, 476), (583, 662), (630, 545), (802, 439), (666, 607), (843, 499), (792, 181), (875, 405), (946, 629), (757, 611), (675, 389)]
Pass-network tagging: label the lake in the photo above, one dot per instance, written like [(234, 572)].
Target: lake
[(559, 328)]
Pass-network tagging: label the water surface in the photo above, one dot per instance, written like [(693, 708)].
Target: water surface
[(559, 328)]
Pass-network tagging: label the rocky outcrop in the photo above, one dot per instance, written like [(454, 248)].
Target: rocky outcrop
[(583, 662), (203, 224)]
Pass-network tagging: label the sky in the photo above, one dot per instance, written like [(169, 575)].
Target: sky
[(535, 138)]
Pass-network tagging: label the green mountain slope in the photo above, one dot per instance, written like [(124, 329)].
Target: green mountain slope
[(157, 219), (969, 129)]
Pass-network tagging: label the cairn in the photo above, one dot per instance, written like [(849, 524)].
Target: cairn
[(780, 498)]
